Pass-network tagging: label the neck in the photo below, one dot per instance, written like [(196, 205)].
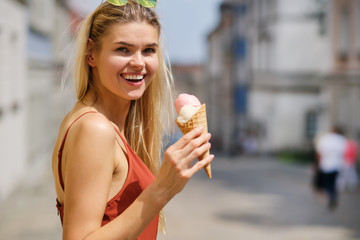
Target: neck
[(115, 109)]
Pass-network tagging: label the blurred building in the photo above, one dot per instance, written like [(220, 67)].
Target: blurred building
[(284, 71), (229, 70), (189, 79), (34, 47)]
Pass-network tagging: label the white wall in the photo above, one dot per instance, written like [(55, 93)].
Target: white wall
[(294, 42), (294, 47), (31, 102), (42, 15), (295, 7), (283, 115), (12, 96), (298, 47)]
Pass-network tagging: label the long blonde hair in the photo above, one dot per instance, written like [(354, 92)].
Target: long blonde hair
[(152, 113), (150, 116)]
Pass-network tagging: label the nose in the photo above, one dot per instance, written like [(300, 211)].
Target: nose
[(137, 60)]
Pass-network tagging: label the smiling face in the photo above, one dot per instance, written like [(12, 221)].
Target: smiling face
[(125, 63)]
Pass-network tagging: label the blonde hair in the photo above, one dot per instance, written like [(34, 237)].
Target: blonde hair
[(151, 115)]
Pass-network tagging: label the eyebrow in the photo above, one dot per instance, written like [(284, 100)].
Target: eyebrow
[(132, 45)]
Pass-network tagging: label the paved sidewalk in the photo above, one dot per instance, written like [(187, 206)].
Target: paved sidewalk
[(30, 213), (256, 199), (250, 199)]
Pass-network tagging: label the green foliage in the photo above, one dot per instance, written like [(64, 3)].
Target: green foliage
[(296, 156)]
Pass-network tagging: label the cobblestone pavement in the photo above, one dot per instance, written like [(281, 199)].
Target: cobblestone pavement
[(250, 199)]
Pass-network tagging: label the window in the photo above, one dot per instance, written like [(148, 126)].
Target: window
[(344, 33), (310, 125)]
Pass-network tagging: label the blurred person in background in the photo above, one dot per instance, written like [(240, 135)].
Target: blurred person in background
[(330, 149), (348, 178), (106, 161), (317, 177), (250, 144)]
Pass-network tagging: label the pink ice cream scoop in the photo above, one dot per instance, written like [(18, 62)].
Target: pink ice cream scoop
[(186, 99)]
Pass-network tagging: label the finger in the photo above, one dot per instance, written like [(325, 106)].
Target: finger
[(188, 137), (201, 164), (195, 144), (196, 153)]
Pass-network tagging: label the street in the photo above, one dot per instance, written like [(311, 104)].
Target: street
[(256, 199), (248, 198)]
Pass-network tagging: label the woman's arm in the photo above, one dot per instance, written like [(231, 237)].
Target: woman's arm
[(174, 173), (89, 153), (88, 177)]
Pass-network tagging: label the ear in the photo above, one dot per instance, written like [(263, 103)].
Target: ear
[(90, 57), (91, 60)]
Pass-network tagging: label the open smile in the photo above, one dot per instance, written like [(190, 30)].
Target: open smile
[(133, 78)]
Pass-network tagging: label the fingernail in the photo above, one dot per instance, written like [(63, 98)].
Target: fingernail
[(208, 135), (201, 128)]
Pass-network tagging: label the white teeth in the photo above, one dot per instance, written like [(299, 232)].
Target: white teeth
[(133, 77)]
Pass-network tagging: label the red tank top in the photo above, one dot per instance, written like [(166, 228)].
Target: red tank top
[(139, 177)]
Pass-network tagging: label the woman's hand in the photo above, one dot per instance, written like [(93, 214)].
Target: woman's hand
[(177, 167)]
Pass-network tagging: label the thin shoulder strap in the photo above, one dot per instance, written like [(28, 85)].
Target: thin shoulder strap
[(122, 138), (62, 147), (127, 146)]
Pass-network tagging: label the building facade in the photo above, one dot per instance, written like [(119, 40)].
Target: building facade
[(12, 95), (31, 100), (301, 71), (229, 77)]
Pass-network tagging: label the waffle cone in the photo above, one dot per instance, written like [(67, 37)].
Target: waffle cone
[(197, 120)]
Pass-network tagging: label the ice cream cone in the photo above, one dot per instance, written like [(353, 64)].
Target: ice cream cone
[(197, 120)]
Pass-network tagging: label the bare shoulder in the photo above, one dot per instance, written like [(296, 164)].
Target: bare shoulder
[(92, 126), (90, 145)]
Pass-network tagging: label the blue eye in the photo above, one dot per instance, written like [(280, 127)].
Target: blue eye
[(122, 49), (149, 50)]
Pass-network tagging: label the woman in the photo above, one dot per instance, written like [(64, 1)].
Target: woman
[(104, 190)]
